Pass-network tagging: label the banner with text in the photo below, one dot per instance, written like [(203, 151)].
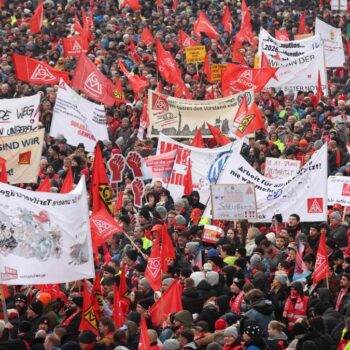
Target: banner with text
[(339, 190), (42, 242), (19, 115), (178, 117), (22, 153), (78, 119), (277, 168), (304, 194)]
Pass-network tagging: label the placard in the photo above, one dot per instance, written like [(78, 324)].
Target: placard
[(211, 234), (339, 190), (216, 70), (195, 54), (277, 168)]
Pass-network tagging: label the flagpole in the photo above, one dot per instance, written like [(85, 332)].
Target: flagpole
[(3, 302), (327, 282), (344, 213), (135, 246)]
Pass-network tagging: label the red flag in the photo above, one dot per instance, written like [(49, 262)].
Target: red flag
[(175, 3), (238, 52), (170, 302), (133, 4), (167, 66), (146, 36), (319, 92), (137, 84), (144, 343), (2, 4), (204, 25), (160, 3), (44, 186), (265, 63), (144, 121), (226, 20), (220, 139), (302, 24), (86, 32), (36, 72), (185, 40), (322, 270), (36, 21), (3, 175), (96, 297), (103, 226), (236, 78), (88, 319), (188, 185), (167, 249), (242, 110), (123, 288), (159, 87), (89, 80), (153, 272), (281, 35), (118, 315), (118, 203), (74, 46), (67, 184), (133, 53), (251, 122), (246, 31), (101, 194), (118, 93), (206, 69), (198, 140), (181, 91), (77, 26)]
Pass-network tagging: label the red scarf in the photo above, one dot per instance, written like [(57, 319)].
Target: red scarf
[(341, 294), (236, 305), (66, 321), (337, 158)]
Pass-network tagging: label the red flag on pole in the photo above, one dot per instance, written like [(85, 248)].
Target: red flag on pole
[(242, 111), (185, 40), (204, 25), (133, 4), (319, 92), (36, 21), (137, 84), (74, 46), (246, 31), (118, 314), (220, 139), (3, 175), (44, 186), (89, 80), (144, 343), (146, 36), (198, 140), (160, 3), (302, 24), (118, 93), (322, 270), (36, 72), (88, 319), (281, 35), (96, 297), (77, 26), (227, 20), (238, 52), (167, 249), (252, 121), (67, 184), (175, 3), (265, 63), (153, 271), (123, 288), (188, 185), (206, 69)]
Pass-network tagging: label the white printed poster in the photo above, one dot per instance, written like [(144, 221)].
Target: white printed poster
[(19, 115), (42, 242), (300, 74), (332, 40), (181, 118), (304, 194), (78, 119), (206, 165), (279, 169), (339, 5), (233, 202), (339, 190), (22, 153)]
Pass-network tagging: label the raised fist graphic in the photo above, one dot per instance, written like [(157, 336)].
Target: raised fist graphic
[(134, 162)]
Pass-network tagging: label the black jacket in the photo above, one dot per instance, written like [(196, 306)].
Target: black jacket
[(192, 301)]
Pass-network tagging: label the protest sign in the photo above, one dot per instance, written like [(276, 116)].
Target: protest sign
[(233, 202), (78, 119), (277, 168), (206, 165), (331, 38), (300, 73), (195, 54), (158, 167), (216, 70), (45, 237), (211, 234), (19, 115), (177, 117), (339, 190), (22, 153), (339, 5), (305, 193)]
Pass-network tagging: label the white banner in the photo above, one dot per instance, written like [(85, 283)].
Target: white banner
[(339, 190), (177, 117), (339, 5), (19, 115), (331, 38), (22, 153), (45, 237), (278, 168), (78, 119), (233, 202), (286, 50), (300, 73), (206, 165), (304, 194)]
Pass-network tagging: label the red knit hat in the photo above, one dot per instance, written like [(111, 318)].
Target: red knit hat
[(220, 324)]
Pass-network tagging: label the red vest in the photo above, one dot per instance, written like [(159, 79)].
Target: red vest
[(293, 312)]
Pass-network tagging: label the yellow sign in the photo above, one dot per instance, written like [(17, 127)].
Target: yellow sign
[(195, 54), (216, 70)]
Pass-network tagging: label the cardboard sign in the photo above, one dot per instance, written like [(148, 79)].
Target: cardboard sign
[(211, 234), (216, 70), (277, 168), (339, 190), (233, 202), (195, 54)]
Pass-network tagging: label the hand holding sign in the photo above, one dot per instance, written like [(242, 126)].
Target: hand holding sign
[(116, 165), (134, 162), (138, 189)]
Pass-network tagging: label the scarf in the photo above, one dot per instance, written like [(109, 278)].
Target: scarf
[(236, 306), (66, 321), (341, 294)]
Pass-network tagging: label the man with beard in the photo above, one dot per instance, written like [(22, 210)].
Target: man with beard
[(21, 304), (72, 317)]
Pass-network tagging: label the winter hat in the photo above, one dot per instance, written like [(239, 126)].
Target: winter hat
[(212, 252), (197, 277), (192, 246), (109, 269), (271, 237), (161, 211), (167, 281), (22, 298), (37, 307), (253, 330), (24, 327), (78, 301), (299, 329), (145, 213), (239, 283), (231, 332), (180, 202), (212, 278), (71, 345), (180, 220), (87, 337), (184, 317), (131, 254), (171, 344), (281, 278), (255, 260), (335, 215), (45, 298), (220, 324), (145, 283)]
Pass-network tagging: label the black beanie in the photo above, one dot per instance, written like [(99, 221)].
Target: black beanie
[(131, 254), (78, 301), (37, 307), (87, 337)]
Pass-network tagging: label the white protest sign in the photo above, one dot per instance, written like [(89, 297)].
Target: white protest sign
[(19, 115), (206, 165), (332, 42), (178, 117), (277, 168), (45, 237), (304, 194), (78, 119), (22, 153), (339, 5), (233, 202), (301, 73), (339, 190)]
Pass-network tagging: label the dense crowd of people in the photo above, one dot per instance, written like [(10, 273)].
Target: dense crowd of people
[(242, 294)]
